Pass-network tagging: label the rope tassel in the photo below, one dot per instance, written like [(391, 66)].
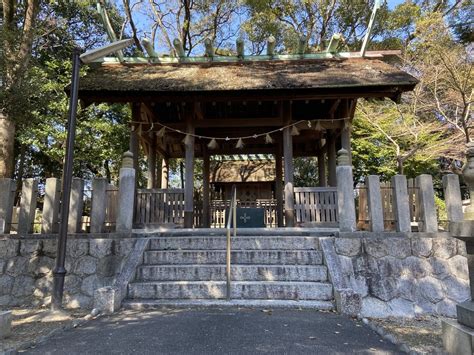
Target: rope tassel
[(318, 127), (187, 140), (347, 125), (213, 144), (294, 131), (161, 132), (268, 139), (240, 144)]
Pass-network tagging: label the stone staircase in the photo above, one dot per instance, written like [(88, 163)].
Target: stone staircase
[(280, 270)]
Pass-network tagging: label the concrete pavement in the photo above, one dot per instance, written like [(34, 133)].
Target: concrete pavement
[(219, 331)]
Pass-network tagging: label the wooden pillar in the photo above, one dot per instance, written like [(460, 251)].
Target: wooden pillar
[(279, 184), (331, 151), (151, 180), (134, 144), (205, 189), (321, 166), (165, 172), (288, 156), (189, 174)]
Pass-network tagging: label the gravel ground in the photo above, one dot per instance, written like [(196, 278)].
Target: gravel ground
[(27, 326), (421, 334)]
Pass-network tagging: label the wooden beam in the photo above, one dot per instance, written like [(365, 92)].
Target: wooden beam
[(334, 107)]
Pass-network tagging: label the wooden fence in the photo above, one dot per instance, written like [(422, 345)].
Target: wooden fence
[(159, 207), (316, 205), (386, 192)]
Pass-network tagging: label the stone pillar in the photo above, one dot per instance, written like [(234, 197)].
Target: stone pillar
[(458, 336), (331, 149), (126, 196), (468, 175), (427, 201), (279, 186), (99, 204), (52, 200), (452, 197), (345, 193), (401, 203), (7, 196), (374, 202), (164, 173), (76, 205), (206, 207), (29, 194), (189, 175)]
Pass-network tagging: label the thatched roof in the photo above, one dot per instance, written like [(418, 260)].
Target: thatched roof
[(132, 79)]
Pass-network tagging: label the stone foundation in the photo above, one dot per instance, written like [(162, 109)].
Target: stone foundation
[(26, 268), (405, 276)]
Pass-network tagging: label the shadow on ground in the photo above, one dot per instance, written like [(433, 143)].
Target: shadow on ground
[(219, 331)]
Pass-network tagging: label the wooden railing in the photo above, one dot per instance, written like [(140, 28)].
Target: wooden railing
[(159, 207), (316, 205)]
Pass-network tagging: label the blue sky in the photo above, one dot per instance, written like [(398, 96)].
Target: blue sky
[(393, 3)]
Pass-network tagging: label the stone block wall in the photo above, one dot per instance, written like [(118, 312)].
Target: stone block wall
[(26, 268), (405, 276)]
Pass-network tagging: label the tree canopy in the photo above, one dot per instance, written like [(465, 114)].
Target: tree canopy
[(424, 133)]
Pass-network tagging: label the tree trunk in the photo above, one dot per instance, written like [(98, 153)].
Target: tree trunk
[(7, 138), (400, 165)]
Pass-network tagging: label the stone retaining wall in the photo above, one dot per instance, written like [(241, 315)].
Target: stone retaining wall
[(26, 269), (405, 276)]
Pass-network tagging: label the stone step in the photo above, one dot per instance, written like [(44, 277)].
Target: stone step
[(273, 257), (267, 232), (239, 290), (238, 243), (142, 305), (238, 273)]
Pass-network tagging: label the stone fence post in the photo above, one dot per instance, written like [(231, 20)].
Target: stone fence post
[(345, 192), (126, 196), (99, 205), (7, 195), (452, 197), (374, 202), (401, 205), (427, 202), (29, 195), (52, 199), (76, 205)]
